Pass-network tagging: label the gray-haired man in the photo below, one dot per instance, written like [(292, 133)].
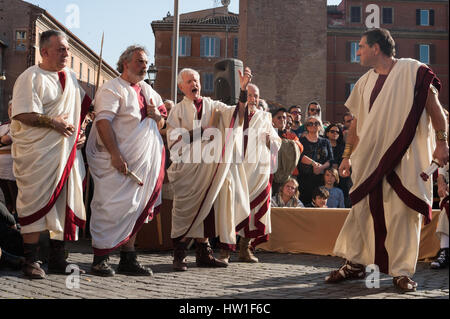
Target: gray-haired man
[(48, 107), (125, 140), (201, 207)]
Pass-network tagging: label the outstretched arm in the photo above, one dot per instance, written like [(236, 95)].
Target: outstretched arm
[(244, 80)]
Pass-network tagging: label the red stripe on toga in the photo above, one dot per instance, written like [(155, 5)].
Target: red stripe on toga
[(148, 212)]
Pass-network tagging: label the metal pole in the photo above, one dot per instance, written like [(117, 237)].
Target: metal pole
[(176, 36)]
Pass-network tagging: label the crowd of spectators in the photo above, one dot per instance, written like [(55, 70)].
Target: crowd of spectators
[(315, 169)]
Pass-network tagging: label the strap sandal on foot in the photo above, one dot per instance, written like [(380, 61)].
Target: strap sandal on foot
[(33, 270), (348, 271), (405, 284)]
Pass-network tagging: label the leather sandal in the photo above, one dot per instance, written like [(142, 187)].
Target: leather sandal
[(405, 284), (348, 271), (33, 270)]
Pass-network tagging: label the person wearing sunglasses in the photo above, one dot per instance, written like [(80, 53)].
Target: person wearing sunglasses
[(336, 137), (319, 150), (334, 134), (297, 126), (288, 154), (314, 109)]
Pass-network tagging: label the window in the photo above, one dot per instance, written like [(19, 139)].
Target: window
[(424, 17), (184, 48), (208, 82), (354, 46), (387, 16), (235, 47), (89, 76), (355, 14), (81, 71), (210, 47), (21, 40), (71, 62), (424, 53)]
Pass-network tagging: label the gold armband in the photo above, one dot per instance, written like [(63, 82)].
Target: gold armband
[(45, 121), (441, 135), (348, 151)]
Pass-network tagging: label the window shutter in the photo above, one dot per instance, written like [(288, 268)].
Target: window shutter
[(431, 17), (171, 46), (417, 16), (188, 46), (417, 52), (202, 46), (347, 90), (217, 47), (432, 54)]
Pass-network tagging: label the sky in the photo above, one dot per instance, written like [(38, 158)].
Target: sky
[(123, 22)]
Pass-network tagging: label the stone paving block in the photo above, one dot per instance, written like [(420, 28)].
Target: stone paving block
[(277, 276)]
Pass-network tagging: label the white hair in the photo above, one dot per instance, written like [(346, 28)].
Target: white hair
[(253, 86), (321, 130), (182, 72), (127, 55)]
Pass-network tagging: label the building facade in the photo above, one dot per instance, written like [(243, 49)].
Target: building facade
[(21, 24), (284, 42), (419, 28), (206, 37)]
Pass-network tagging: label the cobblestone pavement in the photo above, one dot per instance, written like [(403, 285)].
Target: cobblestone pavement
[(277, 276)]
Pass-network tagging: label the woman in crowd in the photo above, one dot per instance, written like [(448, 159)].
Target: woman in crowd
[(334, 134), (288, 195), (320, 151), (331, 179)]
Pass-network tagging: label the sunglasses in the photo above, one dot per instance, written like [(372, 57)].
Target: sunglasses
[(312, 124), (296, 112), (314, 110)]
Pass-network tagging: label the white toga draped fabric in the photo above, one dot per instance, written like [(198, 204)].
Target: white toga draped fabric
[(120, 206), (49, 169), (259, 160), (395, 145), (211, 195)]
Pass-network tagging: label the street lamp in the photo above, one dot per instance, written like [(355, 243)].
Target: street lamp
[(152, 71)]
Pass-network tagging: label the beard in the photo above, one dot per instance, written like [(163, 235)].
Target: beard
[(135, 78)]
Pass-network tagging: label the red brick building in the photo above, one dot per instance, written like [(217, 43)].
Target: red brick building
[(206, 37), (21, 23), (419, 28)]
